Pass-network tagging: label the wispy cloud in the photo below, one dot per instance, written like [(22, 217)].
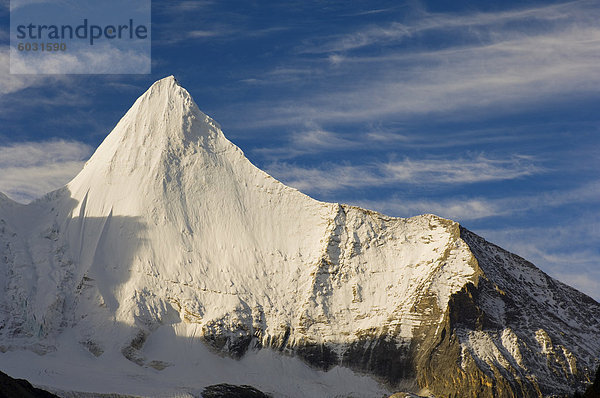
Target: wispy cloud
[(218, 32), (183, 19), (177, 8), (215, 32), (312, 140), (101, 59), (201, 34), (319, 138), (29, 170), (14, 83), (469, 208), (15, 4), (381, 136), (371, 12), (460, 171), (326, 179), (363, 38), (460, 209), (184, 6), (423, 21), (284, 75), (491, 67), (520, 72), (330, 178), (22, 93)]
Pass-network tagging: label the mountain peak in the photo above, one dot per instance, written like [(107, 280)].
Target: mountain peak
[(168, 80), (162, 132), (167, 86), (165, 119), (165, 112)]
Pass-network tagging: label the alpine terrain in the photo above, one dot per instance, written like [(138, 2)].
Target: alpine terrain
[(171, 264)]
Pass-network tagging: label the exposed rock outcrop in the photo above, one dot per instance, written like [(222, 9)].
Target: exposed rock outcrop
[(18, 388)]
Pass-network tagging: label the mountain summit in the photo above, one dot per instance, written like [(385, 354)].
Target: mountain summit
[(171, 263)]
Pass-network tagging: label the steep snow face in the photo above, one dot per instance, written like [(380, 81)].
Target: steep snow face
[(169, 236), (178, 208)]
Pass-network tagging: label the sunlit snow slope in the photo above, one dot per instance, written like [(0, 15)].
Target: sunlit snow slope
[(171, 249)]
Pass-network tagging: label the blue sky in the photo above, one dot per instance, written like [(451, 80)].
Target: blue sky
[(483, 112)]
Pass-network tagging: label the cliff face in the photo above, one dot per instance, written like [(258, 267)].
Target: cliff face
[(545, 331), (16, 388), (517, 333), (170, 237), (593, 391)]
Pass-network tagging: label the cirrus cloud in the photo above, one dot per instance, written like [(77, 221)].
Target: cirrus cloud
[(29, 170), (335, 177)]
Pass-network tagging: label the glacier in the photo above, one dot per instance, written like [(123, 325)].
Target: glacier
[(170, 263)]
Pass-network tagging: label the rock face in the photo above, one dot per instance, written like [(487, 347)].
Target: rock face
[(593, 391), (517, 333), (229, 391), (169, 230), (16, 388)]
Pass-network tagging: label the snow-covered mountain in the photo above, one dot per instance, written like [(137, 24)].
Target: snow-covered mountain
[(171, 263)]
